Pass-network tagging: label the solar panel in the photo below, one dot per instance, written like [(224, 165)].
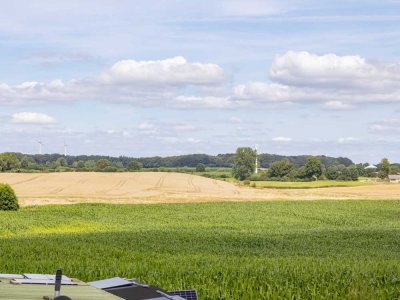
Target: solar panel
[(45, 277), (165, 298), (41, 281), (11, 276), (186, 294), (110, 283)]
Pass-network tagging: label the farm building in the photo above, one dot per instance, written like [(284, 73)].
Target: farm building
[(371, 167), (394, 178), (60, 287)]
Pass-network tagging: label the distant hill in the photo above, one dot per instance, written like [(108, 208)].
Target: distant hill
[(189, 160)]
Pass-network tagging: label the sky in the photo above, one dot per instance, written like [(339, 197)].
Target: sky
[(171, 77)]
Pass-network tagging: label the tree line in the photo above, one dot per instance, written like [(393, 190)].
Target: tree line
[(272, 167), (49, 162)]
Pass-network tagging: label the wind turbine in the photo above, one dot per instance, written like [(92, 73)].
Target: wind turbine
[(256, 150), (65, 148), (40, 146)]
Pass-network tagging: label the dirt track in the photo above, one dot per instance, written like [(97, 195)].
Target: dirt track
[(146, 187)]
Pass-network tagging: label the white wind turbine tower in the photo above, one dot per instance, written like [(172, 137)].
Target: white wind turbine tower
[(65, 148), (256, 150), (40, 146)]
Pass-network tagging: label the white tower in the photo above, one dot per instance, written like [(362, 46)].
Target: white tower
[(40, 146), (256, 150), (65, 148)]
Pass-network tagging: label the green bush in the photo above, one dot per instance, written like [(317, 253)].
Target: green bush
[(200, 167), (8, 199)]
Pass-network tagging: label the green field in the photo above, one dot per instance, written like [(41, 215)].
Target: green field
[(305, 185), (253, 250)]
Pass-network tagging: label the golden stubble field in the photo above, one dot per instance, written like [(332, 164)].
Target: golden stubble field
[(157, 187)]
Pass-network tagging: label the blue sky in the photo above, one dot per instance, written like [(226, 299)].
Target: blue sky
[(144, 78)]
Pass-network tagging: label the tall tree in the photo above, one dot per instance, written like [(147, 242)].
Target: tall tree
[(135, 165), (280, 169), (332, 172), (313, 168), (384, 168), (244, 163), (61, 162), (101, 164), (8, 161)]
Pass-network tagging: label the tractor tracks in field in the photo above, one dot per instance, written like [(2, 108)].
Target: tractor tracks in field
[(26, 180), (192, 188), (215, 182), (63, 188), (114, 187), (160, 182)]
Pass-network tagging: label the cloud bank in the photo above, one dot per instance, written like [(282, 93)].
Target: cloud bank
[(334, 82), (330, 81)]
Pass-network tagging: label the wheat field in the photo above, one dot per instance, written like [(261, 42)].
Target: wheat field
[(158, 187)]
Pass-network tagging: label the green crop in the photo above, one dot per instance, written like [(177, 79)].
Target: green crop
[(307, 184), (252, 250)]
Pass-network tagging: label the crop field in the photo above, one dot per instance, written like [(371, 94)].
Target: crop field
[(252, 250), (306, 185), (159, 187)]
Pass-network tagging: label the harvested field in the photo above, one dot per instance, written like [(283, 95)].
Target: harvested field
[(157, 187)]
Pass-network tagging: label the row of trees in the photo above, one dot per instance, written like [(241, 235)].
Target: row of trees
[(10, 161), (52, 161), (244, 168), (313, 169)]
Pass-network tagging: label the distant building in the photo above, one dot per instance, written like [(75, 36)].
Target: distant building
[(371, 167), (394, 178)]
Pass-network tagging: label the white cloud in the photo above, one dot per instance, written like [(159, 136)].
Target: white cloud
[(272, 92), (32, 118), (334, 72), (206, 102), (282, 139), (146, 126), (336, 82), (174, 70), (52, 59), (144, 83), (126, 134), (329, 81), (385, 127), (347, 140), (337, 105)]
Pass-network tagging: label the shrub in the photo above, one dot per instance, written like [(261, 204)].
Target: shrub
[(255, 177), (135, 165), (280, 169), (200, 167), (8, 199)]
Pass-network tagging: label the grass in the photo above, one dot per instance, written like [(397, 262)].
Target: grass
[(305, 185), (254, 250)]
